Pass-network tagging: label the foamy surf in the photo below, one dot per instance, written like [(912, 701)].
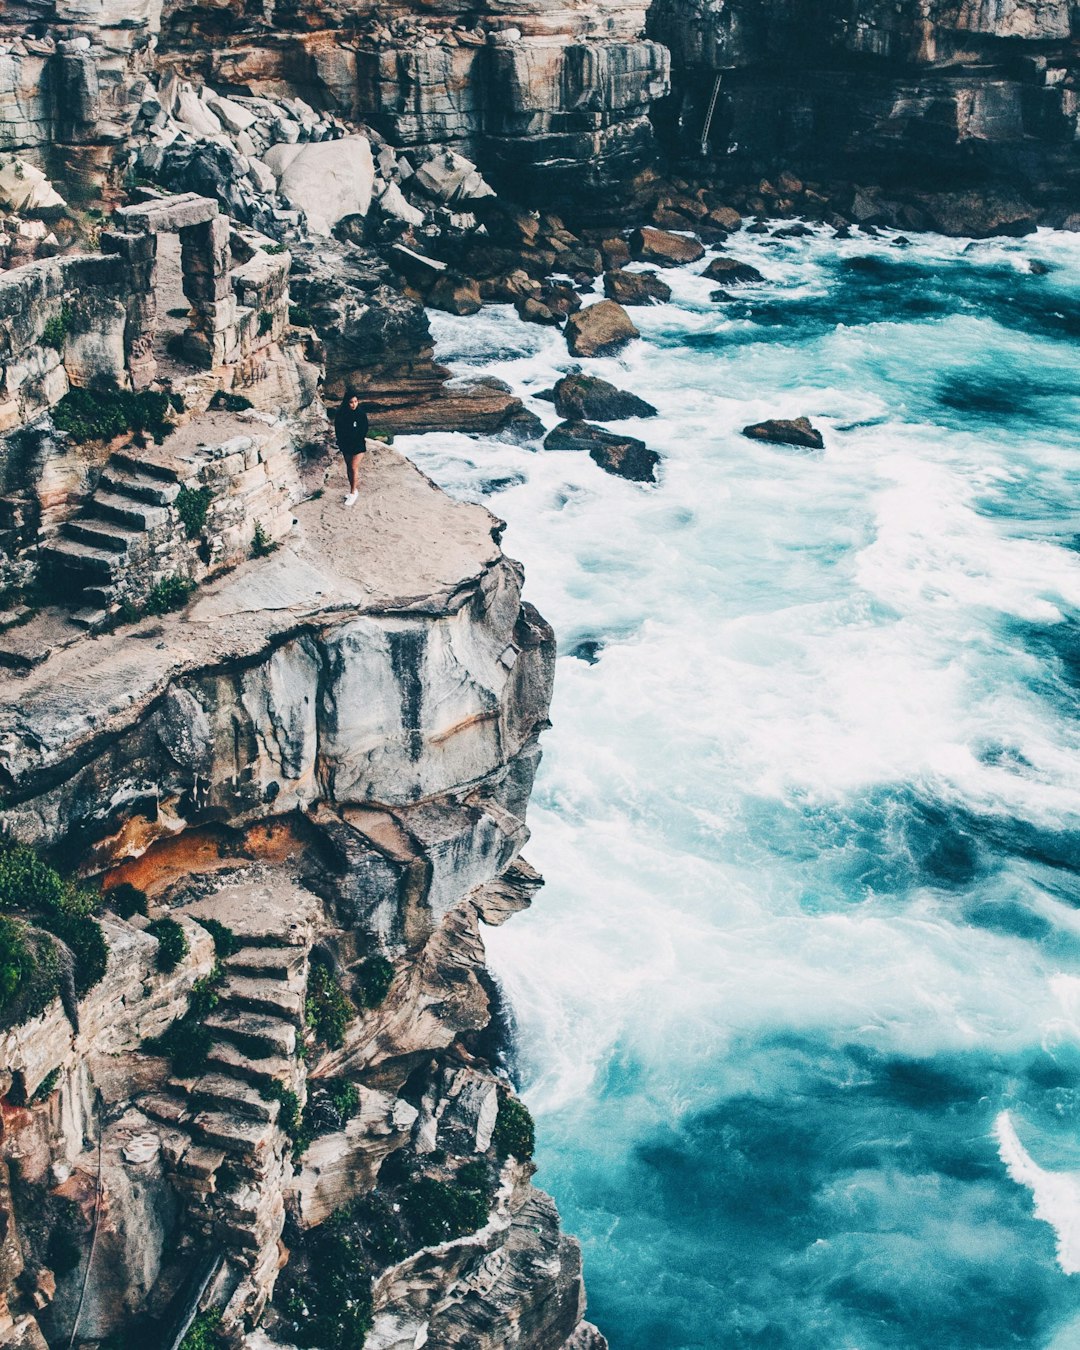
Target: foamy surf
[(1056, 1194)]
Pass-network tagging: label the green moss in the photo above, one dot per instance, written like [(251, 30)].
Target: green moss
[(169, 594), (172, 943), (56, 329), (226, 942), (18, 965), (126, 900), (374, 978), (28, 883), (326, 1010), (203, 1334), (514, 1130), (192, 504), (102, 415), (300, 317)]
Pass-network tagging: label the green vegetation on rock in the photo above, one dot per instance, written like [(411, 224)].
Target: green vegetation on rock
[(172, 943), (226, 942), (203, 1333), (171, 593), (192, 504), (326, 1009), (373, 981), (56, 329), (126, 900), (102, 415), (514, 1130)]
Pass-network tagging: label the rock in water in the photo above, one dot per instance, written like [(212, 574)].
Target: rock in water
[(454, 294), (584, 397), (623, 456), (732, 272), (601, 329), (636, 288), (777, 431), (665, 248)]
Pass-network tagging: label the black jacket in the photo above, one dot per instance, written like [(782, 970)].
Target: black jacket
[(350, 428)]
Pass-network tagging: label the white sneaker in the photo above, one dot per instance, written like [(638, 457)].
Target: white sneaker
[(350, 500)]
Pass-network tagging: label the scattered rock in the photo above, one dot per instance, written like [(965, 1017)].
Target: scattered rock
[(327, 180), (581, 397), (726, 217), (665, 248), (601, 329), (24, 188), (636, 288), (777, 431), (535, 311), (623, 456), (732, 272), (796, 231), (979, 214)]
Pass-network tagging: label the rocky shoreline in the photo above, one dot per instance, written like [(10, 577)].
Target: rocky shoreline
[(265, 763)]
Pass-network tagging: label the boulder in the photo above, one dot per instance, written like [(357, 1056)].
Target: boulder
[(452, 178), (636, 288), (623, 456), (732, 272), (777, 431), (24, 188), (393, 203), (585, 398), (454, 294), (327, 180), (665, 248), (726, 217), (979, 214), (535, 311), (601, 329)]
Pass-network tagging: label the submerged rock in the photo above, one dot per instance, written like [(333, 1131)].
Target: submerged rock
[(623, 456), (636, 288), (585, 397), (777, 431), (665, 248), (599, 330)]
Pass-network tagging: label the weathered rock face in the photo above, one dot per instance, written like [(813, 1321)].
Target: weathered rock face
[(875, 90), (330, 753), (551, 101)]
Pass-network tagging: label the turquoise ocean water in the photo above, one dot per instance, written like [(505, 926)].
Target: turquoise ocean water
[(798, 1012)]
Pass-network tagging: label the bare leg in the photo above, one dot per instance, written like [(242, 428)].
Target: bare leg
[(353, 464)]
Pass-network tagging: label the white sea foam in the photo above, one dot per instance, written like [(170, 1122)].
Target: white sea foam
[(1056, 1194)]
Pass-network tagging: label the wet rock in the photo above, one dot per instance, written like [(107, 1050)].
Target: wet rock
[(777, 431), (581, 397), (601, 329), (535, 311), (726, 217), (665, 248), (636, 288), (454, 294), (980, 215), (623, 456), (732, 272)]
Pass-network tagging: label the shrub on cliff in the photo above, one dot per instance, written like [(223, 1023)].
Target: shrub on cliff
[(29, 973), (324, 1294), (84, 938), (203, 1334), (225, 940), (172, 943), (102, 415), (514, 1131), (192, 504), (437, 1211), (373, 981), (168, 594), (326, 1009), (29, 884), (125, 900), (330, 1106)]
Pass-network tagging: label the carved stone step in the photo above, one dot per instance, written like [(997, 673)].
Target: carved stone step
[(269, 962), (238, 1135), (95, 564), (254, 1033), (139, 515), (219, 1091), (228, 1059), (105, 534), (168, 1109), (201, 1162), (276, 997), (138, 486), (150, 466)]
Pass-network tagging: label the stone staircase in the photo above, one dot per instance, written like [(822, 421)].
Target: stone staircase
[(116, 530), (234, 1161), (128, 535)]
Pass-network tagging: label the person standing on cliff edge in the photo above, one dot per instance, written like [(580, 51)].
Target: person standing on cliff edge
[(351, 429)]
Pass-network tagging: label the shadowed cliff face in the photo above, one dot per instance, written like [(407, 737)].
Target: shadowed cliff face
[(920, 91)]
